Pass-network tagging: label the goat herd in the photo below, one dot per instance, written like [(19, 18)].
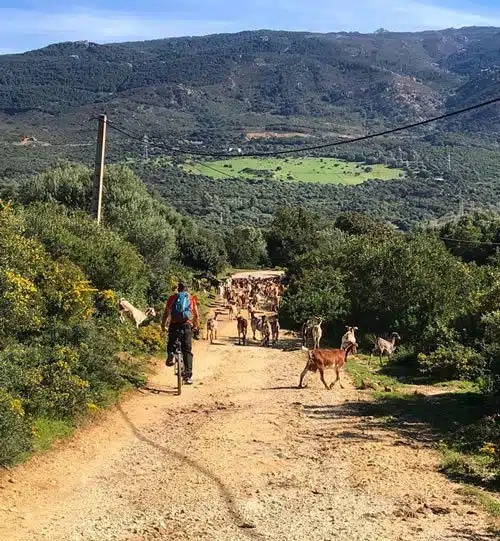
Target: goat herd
[(253, 295), (257, 294), (263, 296)]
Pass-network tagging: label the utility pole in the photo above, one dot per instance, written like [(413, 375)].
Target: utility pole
[(99, 169)]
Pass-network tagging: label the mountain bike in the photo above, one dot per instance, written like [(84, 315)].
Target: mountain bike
[(179, 364)]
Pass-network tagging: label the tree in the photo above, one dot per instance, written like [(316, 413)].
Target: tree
[(246, 247), (292, 233)]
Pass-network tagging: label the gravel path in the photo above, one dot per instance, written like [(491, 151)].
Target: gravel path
[(243, 454)]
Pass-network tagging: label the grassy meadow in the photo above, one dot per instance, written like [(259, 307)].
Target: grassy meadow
[(320, 170)]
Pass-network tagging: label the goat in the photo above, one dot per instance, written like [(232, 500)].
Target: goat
[(220, 290), (230, 311), (275, 330), (317, 333), (212, 328), (307, 327), (349, 337), (265, 331), (242, 330), (137, 315), (383, 346), (321, 359), (256, 324)]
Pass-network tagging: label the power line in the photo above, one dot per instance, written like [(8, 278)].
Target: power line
[(223, 173), (314, 147)]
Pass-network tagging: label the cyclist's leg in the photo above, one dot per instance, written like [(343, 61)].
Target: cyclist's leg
[(174, 331), (187, 350)]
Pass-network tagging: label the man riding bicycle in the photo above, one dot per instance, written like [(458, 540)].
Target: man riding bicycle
[(182, 311)]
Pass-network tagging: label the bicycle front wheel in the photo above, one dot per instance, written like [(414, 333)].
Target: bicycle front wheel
[(178, 360)]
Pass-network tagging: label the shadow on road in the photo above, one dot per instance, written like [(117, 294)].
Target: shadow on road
[(247, 528), (469, 535), (419, 419)]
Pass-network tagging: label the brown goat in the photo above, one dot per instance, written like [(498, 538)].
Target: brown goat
[(212, 328), (242, 330), (265, 331), (321, 359)]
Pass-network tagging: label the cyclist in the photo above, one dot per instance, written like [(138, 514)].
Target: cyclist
[(182, 311)]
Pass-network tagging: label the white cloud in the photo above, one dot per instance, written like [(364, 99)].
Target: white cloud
[(395, 15), (26, 29), (431, 16), (99, 26)]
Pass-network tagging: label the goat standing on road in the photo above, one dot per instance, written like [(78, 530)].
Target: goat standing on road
[(256, 324), (307, 329), (275, 330), (212, 328), (265, 331), (317, 333), (242, 330), (320, 359)]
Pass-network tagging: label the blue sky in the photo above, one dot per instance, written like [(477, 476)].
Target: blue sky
[(29, 24)]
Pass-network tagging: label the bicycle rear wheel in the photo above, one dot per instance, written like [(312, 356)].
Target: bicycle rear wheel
[(179, 363)]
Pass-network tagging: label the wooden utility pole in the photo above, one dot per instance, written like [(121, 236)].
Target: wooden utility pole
[(99, 169)]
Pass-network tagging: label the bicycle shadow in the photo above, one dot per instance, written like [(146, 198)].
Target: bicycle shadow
[(247, 528), (156, 389)]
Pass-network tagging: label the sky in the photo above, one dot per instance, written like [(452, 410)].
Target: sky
[(30, 24)]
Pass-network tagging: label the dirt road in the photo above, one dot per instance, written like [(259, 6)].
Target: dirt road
[(243, 454)]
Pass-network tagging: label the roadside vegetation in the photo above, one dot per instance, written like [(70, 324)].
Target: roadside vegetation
[(439, 297), (61, 277)]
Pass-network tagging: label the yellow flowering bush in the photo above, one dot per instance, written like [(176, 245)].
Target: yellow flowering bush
[(106, 302), (15, 433), (21, 304), (152, 337), (67, 292)]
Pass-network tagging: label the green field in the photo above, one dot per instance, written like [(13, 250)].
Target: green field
[(322, 170)]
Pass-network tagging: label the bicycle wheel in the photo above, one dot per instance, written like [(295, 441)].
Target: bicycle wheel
[(179, 363)]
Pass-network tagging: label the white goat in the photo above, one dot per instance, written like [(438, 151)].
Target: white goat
[(317, 333), (137, 315), (385, 347), (349, 337)]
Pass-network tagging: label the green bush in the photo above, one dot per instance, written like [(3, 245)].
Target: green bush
[(320, 292), (15, 432), (452, 361), (153, 338), (203, 250), (107, 260)]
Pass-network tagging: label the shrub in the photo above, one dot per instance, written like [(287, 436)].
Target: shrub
[(452, 361), (152, 338), (15, 432), (320, 292), (107, 260)]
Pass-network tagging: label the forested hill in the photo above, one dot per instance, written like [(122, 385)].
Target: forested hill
[(241, 90), (349, 79)]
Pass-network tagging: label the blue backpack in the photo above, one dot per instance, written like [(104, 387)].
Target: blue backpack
[(181, 308)]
